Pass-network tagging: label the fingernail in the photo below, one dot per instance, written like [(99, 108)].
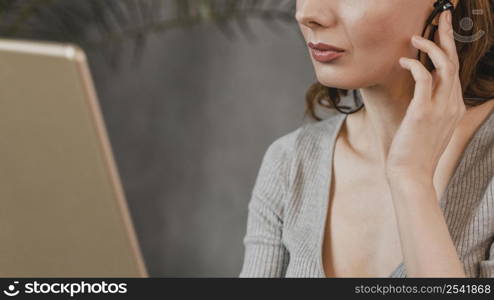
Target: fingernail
[(448, 16), (416, 38)]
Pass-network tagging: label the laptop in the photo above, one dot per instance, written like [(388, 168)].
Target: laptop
[(63, 211)]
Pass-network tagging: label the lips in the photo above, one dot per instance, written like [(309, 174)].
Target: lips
[(324, 52)]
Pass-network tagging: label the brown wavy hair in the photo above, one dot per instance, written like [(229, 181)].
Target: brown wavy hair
[(476, 62)]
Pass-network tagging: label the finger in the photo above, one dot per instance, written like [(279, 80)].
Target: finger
[(422, 77), (444, 66), (438, 56), (447, 37)]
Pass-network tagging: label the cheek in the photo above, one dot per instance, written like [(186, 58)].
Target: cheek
[(377, 33), (379, 40)]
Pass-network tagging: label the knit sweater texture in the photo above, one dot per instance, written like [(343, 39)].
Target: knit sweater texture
[(289, 202)]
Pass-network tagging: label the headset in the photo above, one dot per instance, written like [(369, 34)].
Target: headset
[(439, 7)]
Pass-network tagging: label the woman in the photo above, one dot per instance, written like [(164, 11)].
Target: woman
[(401, 186)]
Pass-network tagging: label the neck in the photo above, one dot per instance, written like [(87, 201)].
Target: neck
[(371, 130)]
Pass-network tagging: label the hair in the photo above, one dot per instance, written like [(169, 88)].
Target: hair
[(476, 60)]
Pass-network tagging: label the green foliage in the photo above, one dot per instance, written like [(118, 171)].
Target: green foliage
[(97, 22)]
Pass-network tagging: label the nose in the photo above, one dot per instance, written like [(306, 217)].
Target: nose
[(315, 13)]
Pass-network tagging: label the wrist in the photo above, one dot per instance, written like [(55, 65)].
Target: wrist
[(411, 187), (409, 177), (401, 171)]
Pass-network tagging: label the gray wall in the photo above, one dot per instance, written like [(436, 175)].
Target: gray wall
[(189, 125)]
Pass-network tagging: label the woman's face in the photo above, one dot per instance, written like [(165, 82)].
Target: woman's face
[(374, 34)]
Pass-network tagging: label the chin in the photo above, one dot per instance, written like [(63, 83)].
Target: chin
[(342, 80), (337, 83)]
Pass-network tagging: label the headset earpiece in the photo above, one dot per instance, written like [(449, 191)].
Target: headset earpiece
[(439, 7)]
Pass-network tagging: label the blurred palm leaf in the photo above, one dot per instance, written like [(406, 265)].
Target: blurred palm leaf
[(108, 23)]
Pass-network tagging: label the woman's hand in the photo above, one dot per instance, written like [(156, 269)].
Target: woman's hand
[(431, 118), (435, 110)]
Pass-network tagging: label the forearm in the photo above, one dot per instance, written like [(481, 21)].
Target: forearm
[(427, 247)]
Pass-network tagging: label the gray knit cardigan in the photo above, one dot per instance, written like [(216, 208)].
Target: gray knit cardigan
[(289, 201)]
